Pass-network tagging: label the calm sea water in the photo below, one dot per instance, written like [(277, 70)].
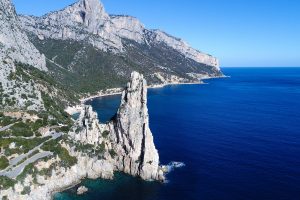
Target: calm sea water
[(239, 138)]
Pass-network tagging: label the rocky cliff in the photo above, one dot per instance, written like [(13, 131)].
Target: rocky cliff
[(82, 40), (128, 134), (90, 128), (15, 47), (131, 135)]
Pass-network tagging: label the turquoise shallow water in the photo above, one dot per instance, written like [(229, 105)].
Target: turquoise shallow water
[(239, 138)]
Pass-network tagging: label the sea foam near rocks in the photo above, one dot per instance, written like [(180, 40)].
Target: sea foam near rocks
[(172, 166)]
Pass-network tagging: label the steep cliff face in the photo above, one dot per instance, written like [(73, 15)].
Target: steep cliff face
[(82, 41), (14, 43), (131, 135), (16, 47), (181, 46), (89, 130), (128, 134)]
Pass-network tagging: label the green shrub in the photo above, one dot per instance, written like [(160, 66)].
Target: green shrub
[(4, 163), (6, 183), (67, 160), (64, 129), (112, 153), (4, 121), (102, 147), (37, 125), (57, 149), (105, 134), (26, 190), (21, 129), (29, 169), (12, 76), (27, 144), (24, 96)]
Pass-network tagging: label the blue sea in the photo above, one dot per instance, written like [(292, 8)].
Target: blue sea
[(239, 138)]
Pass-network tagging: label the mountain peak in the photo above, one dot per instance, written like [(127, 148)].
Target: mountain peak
[(91, 13), (90, 3)]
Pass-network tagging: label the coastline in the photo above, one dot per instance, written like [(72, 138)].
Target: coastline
[(111, 92), (118, 91), (52, 194)]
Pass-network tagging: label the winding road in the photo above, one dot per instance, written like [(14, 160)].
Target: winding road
[(13, 172)]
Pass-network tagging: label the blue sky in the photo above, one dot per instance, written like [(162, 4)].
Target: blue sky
[(239, 32)]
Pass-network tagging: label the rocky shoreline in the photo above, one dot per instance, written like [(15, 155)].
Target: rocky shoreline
[(124, 144), (118, 91)]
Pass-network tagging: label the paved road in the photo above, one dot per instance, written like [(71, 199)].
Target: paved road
[(15, 161), (16, 171), (6, 127), (13, 172)]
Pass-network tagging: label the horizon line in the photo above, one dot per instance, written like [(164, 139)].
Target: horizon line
[(259, 66)]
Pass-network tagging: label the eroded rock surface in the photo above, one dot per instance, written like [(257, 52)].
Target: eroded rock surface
[(131, 135)]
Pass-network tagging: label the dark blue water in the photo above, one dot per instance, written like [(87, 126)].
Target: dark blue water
[(239, 138)]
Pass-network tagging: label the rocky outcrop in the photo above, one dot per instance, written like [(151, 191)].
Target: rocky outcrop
[(88, 127), (60, 178), (131, 135), (81, 190), (87, 20)]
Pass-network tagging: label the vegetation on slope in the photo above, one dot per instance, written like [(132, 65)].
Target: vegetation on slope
[(55, 147), (84, 69)]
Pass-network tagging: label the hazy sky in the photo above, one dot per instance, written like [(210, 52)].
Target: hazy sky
[(238, 32)]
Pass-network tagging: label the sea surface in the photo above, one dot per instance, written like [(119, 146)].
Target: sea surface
[(239, 138)]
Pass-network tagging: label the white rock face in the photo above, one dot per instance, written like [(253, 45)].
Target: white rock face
[(90, 131), (14, 42), (184, 48), (131, 134), (61, 178), (81, 190), (16, 47), (84, 20), (87, 20), (128, 27)]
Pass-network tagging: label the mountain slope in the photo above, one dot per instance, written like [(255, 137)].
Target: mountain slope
[(83, 41), (16, 48)]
